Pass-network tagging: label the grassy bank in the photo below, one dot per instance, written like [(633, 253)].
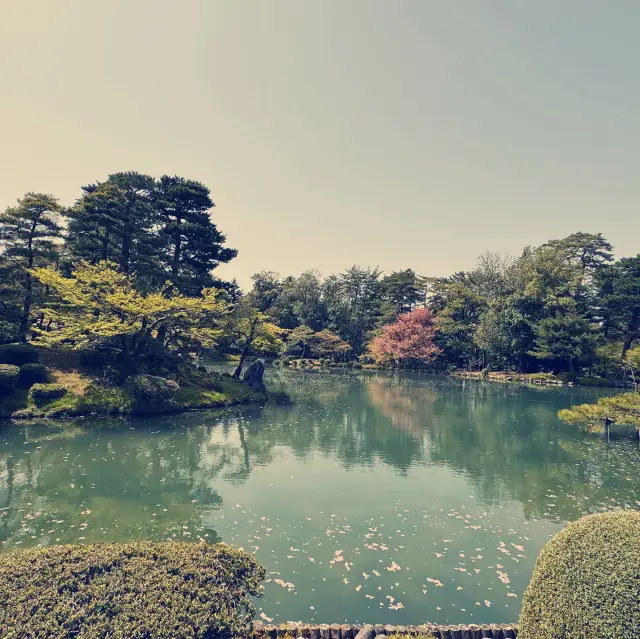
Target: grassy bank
[(55, 384)]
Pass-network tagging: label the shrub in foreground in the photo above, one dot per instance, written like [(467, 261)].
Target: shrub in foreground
[(150, 393), (8, 375), (43, 393), (586, 583), (18, 354), (128, 591), (33, 373)]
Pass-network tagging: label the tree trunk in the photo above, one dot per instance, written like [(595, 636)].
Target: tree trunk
[(125, 254), (175, 266), (105, 245), (28, 289), (245, 350)]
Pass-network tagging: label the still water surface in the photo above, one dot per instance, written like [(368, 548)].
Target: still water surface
[(373, 498)]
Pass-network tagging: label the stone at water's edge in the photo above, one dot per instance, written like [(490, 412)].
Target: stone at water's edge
[(253, 376)]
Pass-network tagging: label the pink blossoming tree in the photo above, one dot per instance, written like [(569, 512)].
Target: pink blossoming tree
[(410, 339)]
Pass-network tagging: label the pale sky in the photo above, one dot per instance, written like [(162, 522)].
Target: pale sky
[(404, 133)]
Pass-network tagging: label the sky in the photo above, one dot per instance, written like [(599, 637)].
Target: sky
[(406, 134)]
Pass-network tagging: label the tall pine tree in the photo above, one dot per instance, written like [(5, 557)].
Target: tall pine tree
[(192, 245), (29, 234), (96, 224)]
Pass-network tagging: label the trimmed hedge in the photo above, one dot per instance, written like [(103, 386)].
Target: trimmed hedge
[(586, 583), (9, 375), (33, 373), (18, 354), (128, 591), (43, 393)]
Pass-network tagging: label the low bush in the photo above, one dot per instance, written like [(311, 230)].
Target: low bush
[(33, 373), (18, 354), (586, 582), (150, 393), (9, 375), (128, 591), (43, 393)]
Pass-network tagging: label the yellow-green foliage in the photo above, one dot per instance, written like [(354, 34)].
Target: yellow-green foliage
[(623, 409), (101, 302), (632, 360), (44, 393), (128, 591), (586, 583)]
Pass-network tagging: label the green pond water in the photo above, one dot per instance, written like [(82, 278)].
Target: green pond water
[(373, 498)]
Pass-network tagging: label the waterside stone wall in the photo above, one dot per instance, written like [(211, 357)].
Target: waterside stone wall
[(343, 631)]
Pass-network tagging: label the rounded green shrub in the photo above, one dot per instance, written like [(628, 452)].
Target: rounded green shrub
[(43, 393), (9, 375), (128, 591), (33, 373), (586, 583), (18, 354), (150, 394)]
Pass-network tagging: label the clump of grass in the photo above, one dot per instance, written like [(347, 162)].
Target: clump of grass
[(73, 381)]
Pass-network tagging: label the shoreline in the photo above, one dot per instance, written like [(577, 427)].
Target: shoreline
[(347, 631), (538, 379), (58, 391)]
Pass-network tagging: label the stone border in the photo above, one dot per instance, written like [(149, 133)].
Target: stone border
[(345, 631)]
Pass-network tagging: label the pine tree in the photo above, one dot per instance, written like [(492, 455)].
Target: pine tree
[(96, 224), (567, 336), (29, 234), (192, 245)]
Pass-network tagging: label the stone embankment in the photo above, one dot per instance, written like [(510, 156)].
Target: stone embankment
[(344, 631)]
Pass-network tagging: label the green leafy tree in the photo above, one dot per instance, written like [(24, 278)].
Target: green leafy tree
[(267, 287), (458, 310), (103, 304), (588, 251), (11, 299), (249, 331), (307, 303), (96, 224), (352, 299), (299, 339), (29, 233), (567, 336), (192, 245), (492, 335), (400, 293), (325, 343), (620, 292)]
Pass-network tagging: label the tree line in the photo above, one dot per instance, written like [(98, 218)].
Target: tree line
[(131, 264), (564, 306)]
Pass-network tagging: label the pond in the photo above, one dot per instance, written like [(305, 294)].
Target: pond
[(373, 498)]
